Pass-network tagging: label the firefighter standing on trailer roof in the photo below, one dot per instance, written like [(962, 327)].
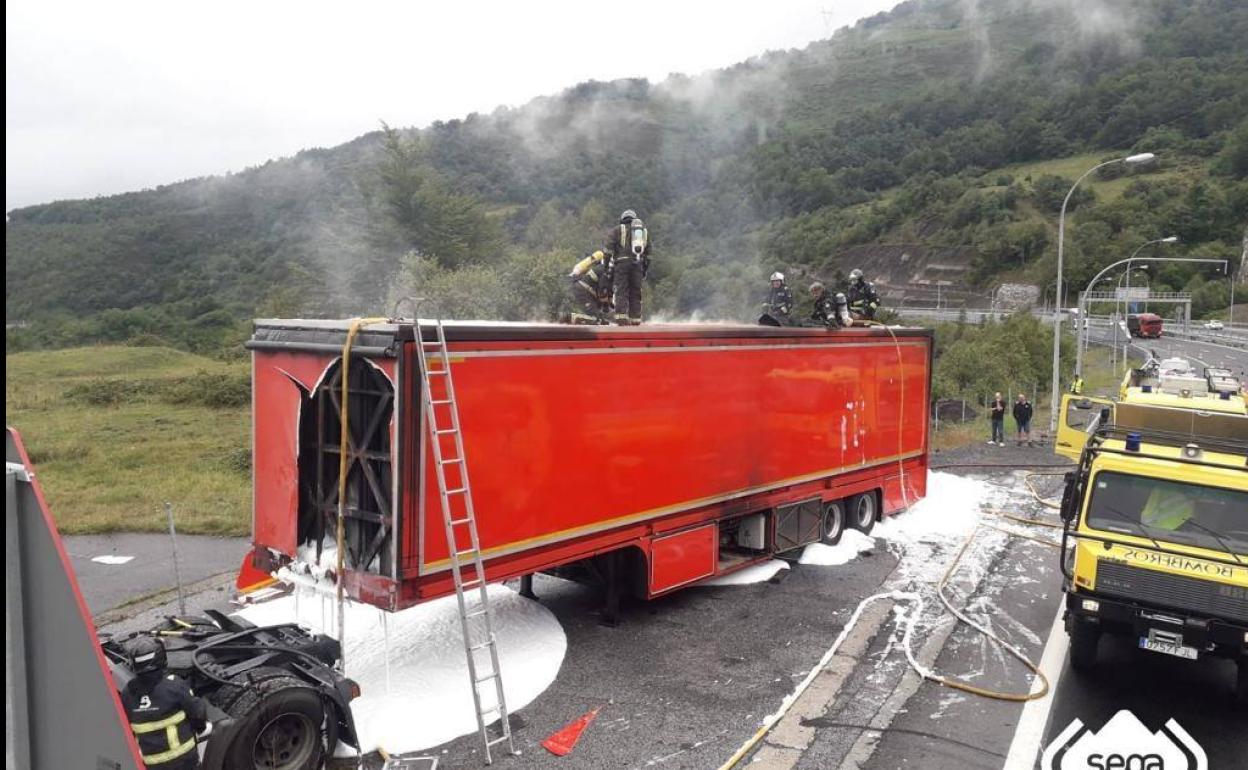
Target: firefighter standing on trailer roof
[(779, 303), (591, 291), (163, 712), (628, 248), (863, 301)]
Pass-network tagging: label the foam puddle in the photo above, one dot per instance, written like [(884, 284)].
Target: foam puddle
[(755, 573), (851, 544), (411, 665)]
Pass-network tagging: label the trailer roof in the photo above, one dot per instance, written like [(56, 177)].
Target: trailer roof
[(381, 338)]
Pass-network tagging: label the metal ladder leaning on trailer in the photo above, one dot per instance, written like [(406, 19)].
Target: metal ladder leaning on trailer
[(455, 527)]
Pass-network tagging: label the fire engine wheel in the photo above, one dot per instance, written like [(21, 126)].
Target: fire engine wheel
[(282, 725), (1241, 683), (862, 512), (833, 522), (1084, 640)]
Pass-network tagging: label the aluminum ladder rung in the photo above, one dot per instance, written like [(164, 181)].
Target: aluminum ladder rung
[(457, 522), (455, 491), (452, 461), (444, 431), (481, 645), (440, 402), (486, 678), (501, 738), (477, 613)]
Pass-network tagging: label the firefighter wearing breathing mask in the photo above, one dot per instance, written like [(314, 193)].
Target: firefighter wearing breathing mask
[(628, 247), (863, 299), (830, 310), (591, 291)]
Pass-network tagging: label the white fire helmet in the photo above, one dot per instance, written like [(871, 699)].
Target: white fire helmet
[(777, 276)]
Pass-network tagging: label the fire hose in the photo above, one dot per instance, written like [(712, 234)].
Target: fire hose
[(916, 611), (344, 437), (911, 619)]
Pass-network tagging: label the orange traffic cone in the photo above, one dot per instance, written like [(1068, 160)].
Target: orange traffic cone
[(563, 741)]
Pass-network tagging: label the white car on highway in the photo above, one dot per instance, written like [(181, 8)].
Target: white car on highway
[(1213, 325)]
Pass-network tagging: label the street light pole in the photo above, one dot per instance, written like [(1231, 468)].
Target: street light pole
[(1057, 293), (1081, 335), (1097, 278)]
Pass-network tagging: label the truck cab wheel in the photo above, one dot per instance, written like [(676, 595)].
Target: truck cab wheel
[(1084, 640), (862, 512), (281, 725), (833, 525)]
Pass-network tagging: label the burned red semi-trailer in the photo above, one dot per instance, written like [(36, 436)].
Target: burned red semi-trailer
[(673, 452)]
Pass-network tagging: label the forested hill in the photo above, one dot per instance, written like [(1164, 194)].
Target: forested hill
[(934, 140)]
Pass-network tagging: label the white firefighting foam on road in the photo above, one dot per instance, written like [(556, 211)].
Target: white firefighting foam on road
[(851, 544), (411, 665), (755, 573)]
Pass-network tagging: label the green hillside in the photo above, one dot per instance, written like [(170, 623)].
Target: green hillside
[(943, 129)]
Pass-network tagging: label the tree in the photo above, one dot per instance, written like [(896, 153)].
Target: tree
[(451, 228)]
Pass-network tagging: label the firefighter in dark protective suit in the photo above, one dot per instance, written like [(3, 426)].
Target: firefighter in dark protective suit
[(863, 301), (163, 712), (591, 289), (628, 248), (779, 303), (829, 311)]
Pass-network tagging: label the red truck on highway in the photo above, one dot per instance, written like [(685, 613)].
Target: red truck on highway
[(657, 456), (1146, 325)]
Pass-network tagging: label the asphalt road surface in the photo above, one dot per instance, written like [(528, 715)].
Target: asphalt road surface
[(123, 567)]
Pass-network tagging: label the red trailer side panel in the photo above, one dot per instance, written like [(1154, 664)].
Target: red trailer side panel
[(567, 440)]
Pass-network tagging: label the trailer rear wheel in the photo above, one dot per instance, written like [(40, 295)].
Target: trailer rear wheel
[(281, 724), (862, 512), (833, 522)]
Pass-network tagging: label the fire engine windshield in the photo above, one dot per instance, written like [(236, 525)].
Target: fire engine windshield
[(1173, 511)]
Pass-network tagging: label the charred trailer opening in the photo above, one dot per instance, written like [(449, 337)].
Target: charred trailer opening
[(368, 521)]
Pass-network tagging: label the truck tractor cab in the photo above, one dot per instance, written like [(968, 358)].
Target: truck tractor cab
[(1144, 325), (276, 700)]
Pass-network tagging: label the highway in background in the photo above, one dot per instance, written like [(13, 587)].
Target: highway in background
[(1227, 351), (1225, 348)]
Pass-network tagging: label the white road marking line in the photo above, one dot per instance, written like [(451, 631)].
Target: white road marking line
[(111, 560), (1025, 746)]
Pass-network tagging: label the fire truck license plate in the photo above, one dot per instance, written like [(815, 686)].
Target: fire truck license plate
[(1167, 646)]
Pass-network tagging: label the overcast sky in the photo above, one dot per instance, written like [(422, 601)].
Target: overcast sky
[(104, 97)]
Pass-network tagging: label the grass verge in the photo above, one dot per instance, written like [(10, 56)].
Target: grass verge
[(115, 432)]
